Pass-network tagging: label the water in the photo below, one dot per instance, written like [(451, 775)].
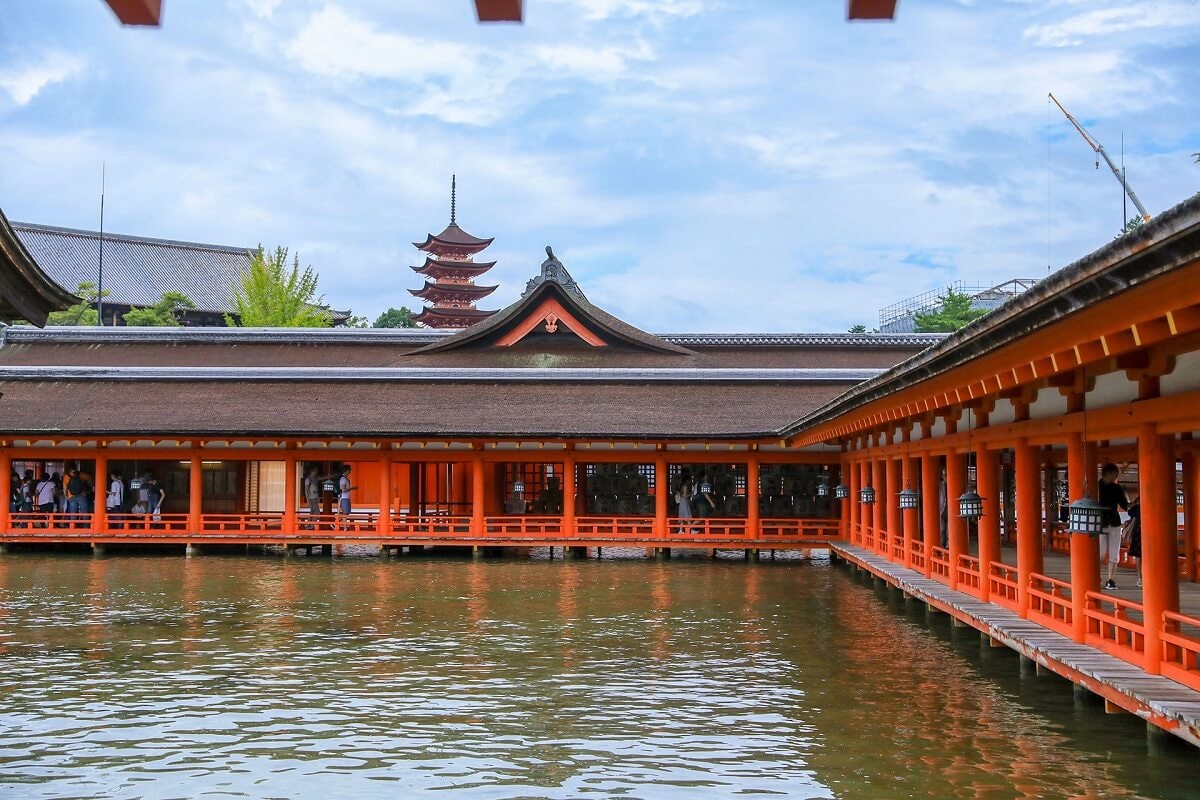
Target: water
[(233, 677)]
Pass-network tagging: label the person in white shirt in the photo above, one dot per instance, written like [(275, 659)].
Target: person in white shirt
[(344, 489), (45, 492)]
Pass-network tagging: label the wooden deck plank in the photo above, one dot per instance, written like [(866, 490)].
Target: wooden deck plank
[(1161, 701)]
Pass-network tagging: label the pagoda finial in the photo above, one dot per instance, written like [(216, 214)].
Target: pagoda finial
[(453, 192)]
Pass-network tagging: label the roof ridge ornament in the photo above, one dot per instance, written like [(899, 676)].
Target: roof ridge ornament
[(553, 270), (453, 198)]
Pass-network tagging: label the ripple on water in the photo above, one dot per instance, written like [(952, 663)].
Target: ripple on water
[(253, 678)]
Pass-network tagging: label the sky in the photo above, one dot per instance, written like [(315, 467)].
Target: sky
[(697, 165)]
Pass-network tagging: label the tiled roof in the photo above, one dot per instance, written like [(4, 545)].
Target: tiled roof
[(26, 291), (905, 340), (137, 270)]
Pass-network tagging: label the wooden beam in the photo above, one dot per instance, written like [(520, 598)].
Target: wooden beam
[(137, 12), (499, 10), (872, 9)]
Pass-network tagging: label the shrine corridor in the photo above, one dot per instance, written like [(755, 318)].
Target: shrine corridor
[(355, 676)]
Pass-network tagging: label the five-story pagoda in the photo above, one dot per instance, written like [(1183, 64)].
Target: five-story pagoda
[(450, 272)]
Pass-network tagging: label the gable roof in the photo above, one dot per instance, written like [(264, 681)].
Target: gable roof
[(138, 270), (26, 291), (550, 291)]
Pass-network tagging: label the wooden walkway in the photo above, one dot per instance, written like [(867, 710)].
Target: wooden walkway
[(1160, 701)]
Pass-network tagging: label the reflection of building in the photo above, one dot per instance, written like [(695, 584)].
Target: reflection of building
[(138, 270), (901, 317)]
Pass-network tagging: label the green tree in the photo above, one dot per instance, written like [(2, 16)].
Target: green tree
[(955, 312), (270, 295), (163, 314), (357, 321), (395, 318), (82, 313), (1132, 225), (860, 328)]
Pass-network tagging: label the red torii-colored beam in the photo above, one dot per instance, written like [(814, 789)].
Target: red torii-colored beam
[(872, 9), (137, 12), (499, 10)]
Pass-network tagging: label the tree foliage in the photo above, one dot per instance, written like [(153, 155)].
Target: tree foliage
[(272, 295), (1132, 225), (395, 318), (859, 328), (82, 313), (163, 314), (955, 312)]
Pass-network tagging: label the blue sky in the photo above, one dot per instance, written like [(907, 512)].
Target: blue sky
[(698, 165)]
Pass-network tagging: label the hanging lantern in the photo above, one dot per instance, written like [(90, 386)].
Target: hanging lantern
[(841, 491), (1086, 516), (823, 489), (970, 505), (1178, 496), (909, 498), (518, 486), (866, 495)]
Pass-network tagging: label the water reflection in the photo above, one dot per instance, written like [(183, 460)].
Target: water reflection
[(259, 677)]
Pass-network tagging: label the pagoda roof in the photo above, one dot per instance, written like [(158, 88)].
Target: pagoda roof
[(451, 317), (456, 290), (452, 238), (432, 266), (552, 302)]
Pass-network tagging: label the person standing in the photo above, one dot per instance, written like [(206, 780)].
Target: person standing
[(312, 490), (1113, 498), (344, 490), (155, 496), (76, 493), (683, 499), (114, 499), (1132, 538), (705, 504), (45, 491)]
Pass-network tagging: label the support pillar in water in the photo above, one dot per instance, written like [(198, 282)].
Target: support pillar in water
[(97, 549), (190, 550)]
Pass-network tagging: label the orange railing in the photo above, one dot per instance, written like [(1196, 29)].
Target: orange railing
[(147, 525), (522, 527), (245, 523), (1111, 628), (1050, 603), (898, 549), (1003, 586), (869, 537), (918, 555), (632, 528), (800, 528), (968, 574), (40, 523), (939, 564), (1059, 540), (707, 527), (431, 526), (1181, 649)]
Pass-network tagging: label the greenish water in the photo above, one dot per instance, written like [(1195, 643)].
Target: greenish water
[(233, 677)]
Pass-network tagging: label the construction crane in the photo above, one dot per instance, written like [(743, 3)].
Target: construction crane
[(1099, 148)]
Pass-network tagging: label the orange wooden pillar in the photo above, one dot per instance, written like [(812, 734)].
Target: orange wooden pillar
[(384, 526), (1160, 560), (892, 500), (569, 491), (878, 510), (1191, 515), (1085, 550), (752, 489), (477, 496), (987, 481), (100, 508), (1029, 519), (662, 489), (912, 522), (845, 509), (195, 494), (5, 490), (957, 533), (289, 492), (854, 484), (931, 525)]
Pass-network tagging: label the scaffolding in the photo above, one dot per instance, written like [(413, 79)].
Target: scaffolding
[(901, 317)]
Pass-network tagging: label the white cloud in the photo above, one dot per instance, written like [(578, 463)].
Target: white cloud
[(23, 83), (1123, 19), (606, 9)]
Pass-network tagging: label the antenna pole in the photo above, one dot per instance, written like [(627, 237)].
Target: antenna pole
[(453, 199), (1124, 196), (100, 265)]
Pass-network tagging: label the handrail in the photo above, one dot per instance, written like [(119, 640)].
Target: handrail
[(918, 554), (1114, 631), (939, 564), (53, 522), (1003, 587), (1051, 606), (701, 527), (1180, 650), (968, 574)]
